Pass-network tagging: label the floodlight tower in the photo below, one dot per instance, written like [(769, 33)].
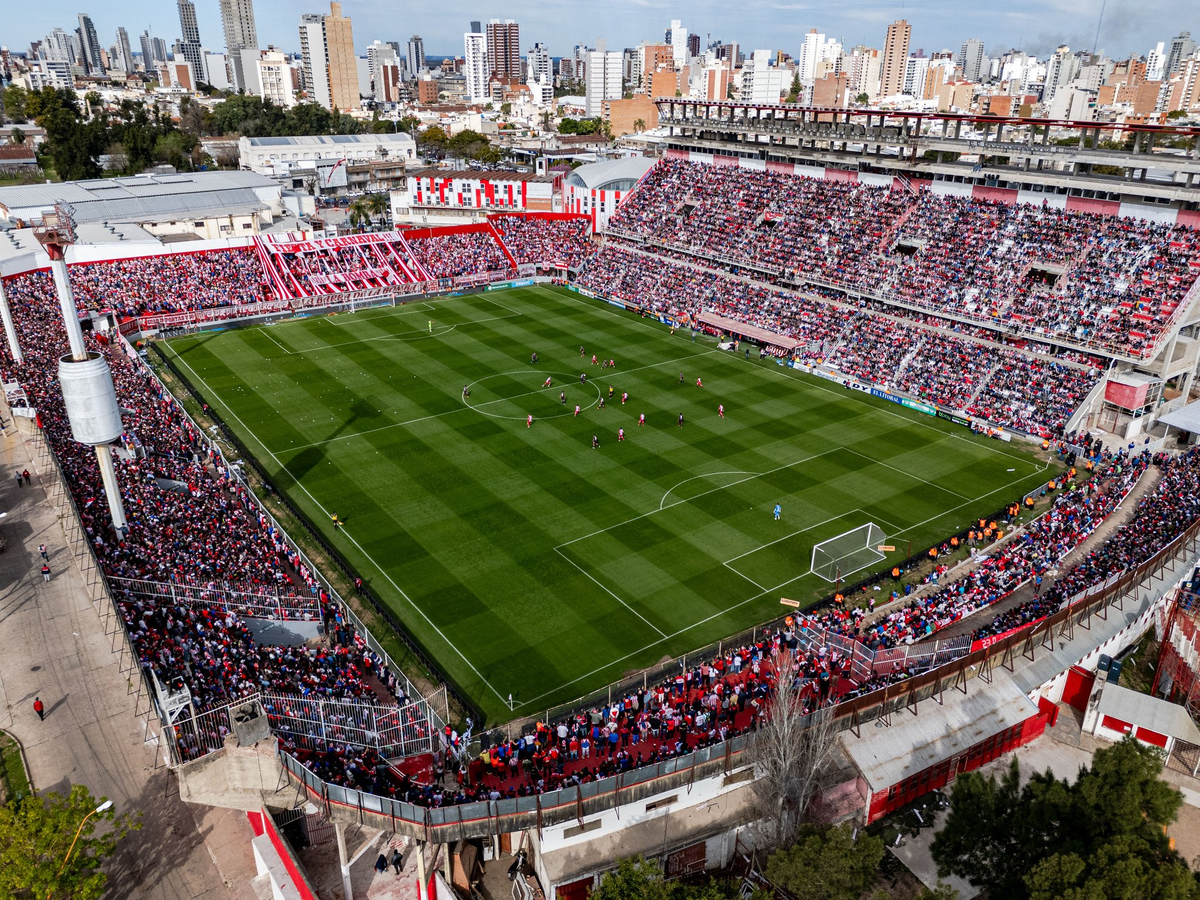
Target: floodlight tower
[(87, 386)]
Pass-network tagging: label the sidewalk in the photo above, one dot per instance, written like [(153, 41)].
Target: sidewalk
[(55, 648)]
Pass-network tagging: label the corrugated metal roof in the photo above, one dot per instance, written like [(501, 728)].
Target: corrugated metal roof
[(938, 732), (301, 140)]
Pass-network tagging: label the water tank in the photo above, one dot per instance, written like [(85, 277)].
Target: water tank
[(90, 399)]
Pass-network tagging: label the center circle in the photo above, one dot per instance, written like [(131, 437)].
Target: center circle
[(561, 381)]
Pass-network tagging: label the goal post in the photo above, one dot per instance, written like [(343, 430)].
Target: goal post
[(848, 553)]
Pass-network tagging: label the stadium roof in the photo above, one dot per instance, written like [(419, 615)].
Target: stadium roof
[(141, 197), (938, 732), (599, 176), (754, 333), (1186, 418)]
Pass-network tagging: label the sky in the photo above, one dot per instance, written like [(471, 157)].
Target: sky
[(1036, 26)]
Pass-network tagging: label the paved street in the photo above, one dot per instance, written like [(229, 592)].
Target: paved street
[(55, 648)]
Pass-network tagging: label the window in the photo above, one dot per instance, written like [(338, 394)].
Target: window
[(664, 802)]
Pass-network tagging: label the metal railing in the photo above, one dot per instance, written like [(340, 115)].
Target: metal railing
[(487, 817), (243, 601)]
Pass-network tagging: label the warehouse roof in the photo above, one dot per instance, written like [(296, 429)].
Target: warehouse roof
[(140, 197), (330, 139)]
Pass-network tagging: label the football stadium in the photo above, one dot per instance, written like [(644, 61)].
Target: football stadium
[(542, 500)]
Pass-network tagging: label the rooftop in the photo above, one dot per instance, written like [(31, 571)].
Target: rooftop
[(328, 139), (483, 175)]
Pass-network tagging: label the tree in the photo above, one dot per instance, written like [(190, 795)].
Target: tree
[(639, 125), (36, 837), (1102, 836), (17, 136), (506, 109), (794, 93), (15, 97), (795, 760), (407, 124), (636, 879), (359, 214), (377, 205), (862, 99), (827, 863)]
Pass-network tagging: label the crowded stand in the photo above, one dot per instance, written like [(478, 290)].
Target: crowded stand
[(169, 283), (460, 253), (565, 243), (331, 270), (1003, 386), (1105, 281), (189, 523)]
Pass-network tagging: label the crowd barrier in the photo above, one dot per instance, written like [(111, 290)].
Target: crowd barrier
[(484, 818), (244, 602)]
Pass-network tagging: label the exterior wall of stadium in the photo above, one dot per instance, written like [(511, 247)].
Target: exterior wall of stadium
[(1013, 683)]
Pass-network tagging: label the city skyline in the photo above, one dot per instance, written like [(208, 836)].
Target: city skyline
[(770, 24)]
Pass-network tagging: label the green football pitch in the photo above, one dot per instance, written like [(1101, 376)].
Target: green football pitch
[(525, 561)]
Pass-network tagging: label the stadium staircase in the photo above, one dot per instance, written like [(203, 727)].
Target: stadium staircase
[(512, 260), (983, 383), (908, 358), (890, 236)]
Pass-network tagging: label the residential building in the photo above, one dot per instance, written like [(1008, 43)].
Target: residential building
[(475, 64), (810, 52), (389, 82), (1061, 70), (343, 65), (154, 51), (124, 61), (1156, 60), (189, 44), (915, 71), (314, 59), (895, 58), (275, 79), (504, 48), (539, 64), (414, 59), (237, 18), (863, 65), (677, 37), (89, 45), (831, 92), (716, 82), (761, 82), (1182, 46), (603, 79), (971, 60), (654, 58), (178, 74), (57, 45), (216, 71), (427, 90), (379, 54), (57, 73)]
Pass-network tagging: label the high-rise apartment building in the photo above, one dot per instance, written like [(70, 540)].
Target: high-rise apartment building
[(504, 48), (810, 52), (761, 81), (895, 58), (1155, 62), (314, 59), (693, 45), (124, 60), (677, 37), (343, 65), (58, 46), (475, 64), (863, 67), (970, 60), (379, 55), (1061, 68), (415, 55), (189, 44), (89, 45), (602, 79), (1182, 46), (237, 18), (538, 59)]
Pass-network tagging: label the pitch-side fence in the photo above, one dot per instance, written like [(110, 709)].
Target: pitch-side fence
[(314, 723), (489, 817)]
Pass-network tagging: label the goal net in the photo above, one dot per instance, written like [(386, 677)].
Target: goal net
[(848, 553)]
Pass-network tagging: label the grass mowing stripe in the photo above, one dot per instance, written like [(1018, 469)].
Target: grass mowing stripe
[(468, 511)]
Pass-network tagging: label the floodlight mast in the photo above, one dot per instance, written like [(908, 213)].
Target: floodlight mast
[(89, 396)]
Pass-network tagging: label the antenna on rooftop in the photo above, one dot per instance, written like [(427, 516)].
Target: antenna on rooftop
[(1096, 42)]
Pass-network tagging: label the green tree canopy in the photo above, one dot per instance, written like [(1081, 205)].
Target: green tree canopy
[(636, 879), (36, 837), (827, 863), (1103, 836)]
